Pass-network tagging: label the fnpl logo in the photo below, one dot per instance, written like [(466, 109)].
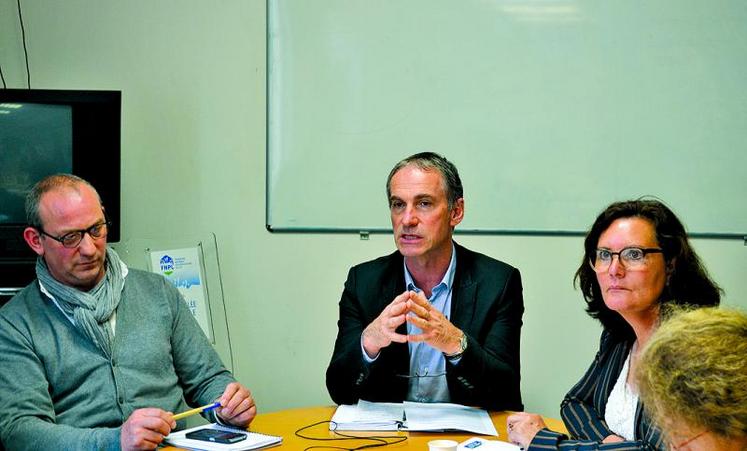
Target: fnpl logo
[(167, 265)]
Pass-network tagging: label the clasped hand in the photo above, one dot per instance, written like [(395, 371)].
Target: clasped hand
[(437, 330)]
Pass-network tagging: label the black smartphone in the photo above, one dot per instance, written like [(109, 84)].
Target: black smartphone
[(216, 436)]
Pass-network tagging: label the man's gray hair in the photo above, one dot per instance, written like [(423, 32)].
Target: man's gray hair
[(428, 161), (45, 185)]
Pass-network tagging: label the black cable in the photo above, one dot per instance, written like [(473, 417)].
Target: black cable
[(3, 78), (379, 440), (25, 51)]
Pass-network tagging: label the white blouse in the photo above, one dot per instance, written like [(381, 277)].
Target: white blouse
[(621, 405)]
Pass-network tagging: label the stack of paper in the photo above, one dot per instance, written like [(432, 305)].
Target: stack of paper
[(412, 416), (368, 416)]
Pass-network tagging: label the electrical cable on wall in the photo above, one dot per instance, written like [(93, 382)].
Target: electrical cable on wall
[(3, 78), (25, 51)]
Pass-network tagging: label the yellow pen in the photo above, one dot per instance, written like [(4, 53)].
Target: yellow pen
[(188, 413)]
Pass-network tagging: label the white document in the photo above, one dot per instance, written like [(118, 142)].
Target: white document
[(253, 440), (368, 416), (443, 417)]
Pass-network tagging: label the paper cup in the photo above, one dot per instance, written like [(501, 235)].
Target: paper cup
[(442, 445)]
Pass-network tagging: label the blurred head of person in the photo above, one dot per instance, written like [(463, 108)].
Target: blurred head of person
[(692, 377)]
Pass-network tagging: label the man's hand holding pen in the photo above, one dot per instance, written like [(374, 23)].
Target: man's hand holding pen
[(237, 406), (146, 428)]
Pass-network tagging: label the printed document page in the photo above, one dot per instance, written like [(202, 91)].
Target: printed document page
[(375, 416), (442, 416)]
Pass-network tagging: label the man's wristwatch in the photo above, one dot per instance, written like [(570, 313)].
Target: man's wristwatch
[(462, 348)]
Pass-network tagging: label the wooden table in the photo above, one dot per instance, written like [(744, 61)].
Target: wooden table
[(284, 423)]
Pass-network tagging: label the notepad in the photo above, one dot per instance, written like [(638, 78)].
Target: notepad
[(254, 440)]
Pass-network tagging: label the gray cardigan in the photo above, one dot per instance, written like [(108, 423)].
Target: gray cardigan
[(58, 391)]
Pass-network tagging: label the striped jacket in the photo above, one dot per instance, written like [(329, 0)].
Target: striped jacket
[(583, 408)]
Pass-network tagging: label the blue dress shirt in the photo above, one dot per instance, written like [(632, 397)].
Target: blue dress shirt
[(427, 364), (427, 378)]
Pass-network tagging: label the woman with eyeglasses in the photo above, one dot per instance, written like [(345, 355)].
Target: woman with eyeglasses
[(637, 259), (693, 378)]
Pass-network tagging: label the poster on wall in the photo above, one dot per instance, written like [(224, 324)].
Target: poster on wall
[(182, 268)]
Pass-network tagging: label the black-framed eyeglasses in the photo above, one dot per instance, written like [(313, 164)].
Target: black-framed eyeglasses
[(72, 239), (632, 258), (418, 375)]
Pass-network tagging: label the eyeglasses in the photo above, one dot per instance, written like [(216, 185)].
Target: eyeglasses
[(72, 239), (418, 375), (632, 258), (687, 441)]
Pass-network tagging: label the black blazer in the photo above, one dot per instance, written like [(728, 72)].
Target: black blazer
[(486, 305)]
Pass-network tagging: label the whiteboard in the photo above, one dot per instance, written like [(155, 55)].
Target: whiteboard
[(550, 109)]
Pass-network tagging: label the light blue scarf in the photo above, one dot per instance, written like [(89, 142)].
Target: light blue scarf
[(90, 310)]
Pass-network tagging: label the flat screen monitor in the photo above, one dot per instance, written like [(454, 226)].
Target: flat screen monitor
[(44, 132)]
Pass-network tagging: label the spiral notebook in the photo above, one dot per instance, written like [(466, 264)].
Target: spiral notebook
[(254, 440)]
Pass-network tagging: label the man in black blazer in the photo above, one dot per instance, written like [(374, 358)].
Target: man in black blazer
[(432, 322)]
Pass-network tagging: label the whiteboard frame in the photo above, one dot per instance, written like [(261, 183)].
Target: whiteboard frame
[(378, 230)]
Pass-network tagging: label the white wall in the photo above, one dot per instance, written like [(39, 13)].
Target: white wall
[(192, 75)]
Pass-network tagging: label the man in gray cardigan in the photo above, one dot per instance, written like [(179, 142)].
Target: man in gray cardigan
[(97, 355)]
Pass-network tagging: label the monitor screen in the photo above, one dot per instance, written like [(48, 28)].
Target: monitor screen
[(43, 132), (36, 140)]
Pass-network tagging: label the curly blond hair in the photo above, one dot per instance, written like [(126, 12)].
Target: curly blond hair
[(693, 371)]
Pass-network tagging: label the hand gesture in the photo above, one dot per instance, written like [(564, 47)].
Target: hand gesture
[(381, 332), (438, 331), (237, 405), (145, 429)]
